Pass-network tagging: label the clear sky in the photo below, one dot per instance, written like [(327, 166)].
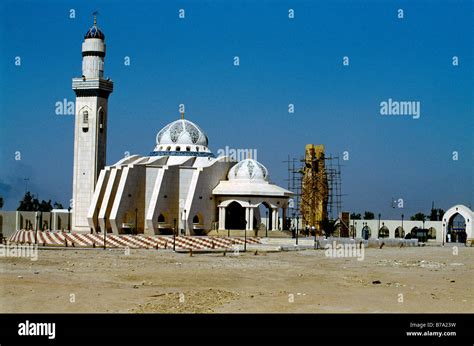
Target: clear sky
[(282, 61)]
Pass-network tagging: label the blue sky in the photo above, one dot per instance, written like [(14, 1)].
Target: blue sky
[(282, 61)]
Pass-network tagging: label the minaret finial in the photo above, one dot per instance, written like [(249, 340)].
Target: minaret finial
[(95, 13)]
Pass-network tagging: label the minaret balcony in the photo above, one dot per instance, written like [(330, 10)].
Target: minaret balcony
[(92, 83)]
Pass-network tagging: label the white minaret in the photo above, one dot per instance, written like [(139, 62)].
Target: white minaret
[(90, 134)]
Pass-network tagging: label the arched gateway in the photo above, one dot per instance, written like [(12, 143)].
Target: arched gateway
[(449, 216)]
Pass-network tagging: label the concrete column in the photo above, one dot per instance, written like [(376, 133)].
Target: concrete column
[(17, 220), (54, 218), (247, 218), (251, 218), (274, 219), (221, 217), (36, 221)]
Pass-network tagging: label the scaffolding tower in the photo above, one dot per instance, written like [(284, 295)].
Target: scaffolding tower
[(331, 173), (295, 174)]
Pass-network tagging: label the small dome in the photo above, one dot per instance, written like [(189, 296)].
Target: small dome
[(94, 32), (248, 169), (181, 132)]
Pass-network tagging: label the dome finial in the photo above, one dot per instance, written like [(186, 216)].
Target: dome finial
[(182, 115), (95, 13)]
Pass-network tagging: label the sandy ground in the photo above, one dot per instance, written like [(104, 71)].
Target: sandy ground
[(418, 279)]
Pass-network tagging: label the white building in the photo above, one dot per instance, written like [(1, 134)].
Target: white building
[(182, 186)]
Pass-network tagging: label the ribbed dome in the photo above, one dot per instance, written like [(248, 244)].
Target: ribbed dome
[(248, 169), (94, 32), (181, 132)]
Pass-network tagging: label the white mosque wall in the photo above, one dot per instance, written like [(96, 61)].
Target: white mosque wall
[(200, 200), (392, 225), (109, 195), (153, 178), (163, 197), (185, 177), (56, 220), (129, 200), (97, 198)]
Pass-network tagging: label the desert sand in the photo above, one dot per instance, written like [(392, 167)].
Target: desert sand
[(391, 279)]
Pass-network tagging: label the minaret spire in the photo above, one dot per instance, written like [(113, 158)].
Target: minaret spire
[(95, 13)]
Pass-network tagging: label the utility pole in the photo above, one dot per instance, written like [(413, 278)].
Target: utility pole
[(105, 231)]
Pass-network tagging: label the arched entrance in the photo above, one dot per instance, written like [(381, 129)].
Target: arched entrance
[(383, 232), (266, 212), (366, 232), (457, 224), (456, 229), (235, 216), (399, 232), (431, 233)]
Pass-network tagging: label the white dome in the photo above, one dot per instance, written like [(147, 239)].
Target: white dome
[(181, 132), (248, 169)]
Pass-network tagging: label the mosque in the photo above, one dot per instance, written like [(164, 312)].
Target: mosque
[(180, 185)]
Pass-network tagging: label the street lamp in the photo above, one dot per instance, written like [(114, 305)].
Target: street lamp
[(266, 223), (443, 235), (297, 221), (403, 231), (69, 218), (97, 230), (293, 231), (245, 236), (41, 219), (36, 230), (184, 220), (174, 235), (136, 219), (105, 231)]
